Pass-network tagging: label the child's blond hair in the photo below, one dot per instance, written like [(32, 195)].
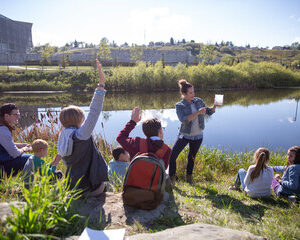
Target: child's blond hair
[(38, 145), (71, 116)]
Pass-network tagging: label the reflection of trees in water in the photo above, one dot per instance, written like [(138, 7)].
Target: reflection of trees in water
[(158, 100)]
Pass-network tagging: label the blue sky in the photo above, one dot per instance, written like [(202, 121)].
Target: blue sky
[(257, 22)]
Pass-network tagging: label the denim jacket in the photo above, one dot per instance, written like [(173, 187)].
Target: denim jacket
[(184, 109), (290, 183)]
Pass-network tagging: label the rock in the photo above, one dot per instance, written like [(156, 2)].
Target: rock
[(196, 231), (5, 208), (109, 207)]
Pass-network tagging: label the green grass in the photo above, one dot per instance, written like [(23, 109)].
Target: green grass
[(49, 205)]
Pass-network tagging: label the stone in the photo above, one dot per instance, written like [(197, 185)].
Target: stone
[(196, 231), (5, 208), (109, 209)]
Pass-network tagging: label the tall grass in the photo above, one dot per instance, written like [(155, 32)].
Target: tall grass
[(157, 77), (47, 211)]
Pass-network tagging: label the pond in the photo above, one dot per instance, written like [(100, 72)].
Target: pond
[(246, 121)]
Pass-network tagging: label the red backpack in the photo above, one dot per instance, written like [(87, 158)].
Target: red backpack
[(144, 182)]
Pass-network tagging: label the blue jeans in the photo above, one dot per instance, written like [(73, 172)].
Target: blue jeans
[(240, 178), (176, 150), (9, 164)]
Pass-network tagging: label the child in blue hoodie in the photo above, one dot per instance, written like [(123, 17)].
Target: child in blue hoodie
[(117, 167), (289, 183)]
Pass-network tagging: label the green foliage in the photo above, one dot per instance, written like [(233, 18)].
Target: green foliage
[(116, 183), (46, 54), (65, 60), (136, 53), (47, 211), (149, 77), (207, 53), (104, 49)]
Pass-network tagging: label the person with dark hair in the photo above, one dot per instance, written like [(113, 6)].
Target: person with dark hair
[(289, 184), (152, 130), (12, 157), (117, 167), (190, 111)]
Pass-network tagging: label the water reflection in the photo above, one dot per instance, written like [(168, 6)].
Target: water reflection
[(247, 120)]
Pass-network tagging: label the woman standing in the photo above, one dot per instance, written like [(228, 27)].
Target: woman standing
[(190, 111), (12, 157)]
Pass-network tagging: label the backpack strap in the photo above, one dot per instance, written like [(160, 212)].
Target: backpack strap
[(143, 146), (161, 152)]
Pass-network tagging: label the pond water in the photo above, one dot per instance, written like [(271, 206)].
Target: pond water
[(247, 120)]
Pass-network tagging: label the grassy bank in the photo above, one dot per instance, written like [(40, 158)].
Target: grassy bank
[(48, 209), (146, 77)]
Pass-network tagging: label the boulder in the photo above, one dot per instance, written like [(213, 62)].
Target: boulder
[(109, 209), (196, 231), (5, 208)]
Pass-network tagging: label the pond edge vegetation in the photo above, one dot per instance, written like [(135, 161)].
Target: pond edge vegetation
[(156, 77)]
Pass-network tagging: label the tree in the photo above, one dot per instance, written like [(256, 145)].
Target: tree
[(64, 59), (136, 53), (228, 59), (172, 41), (104, 49), (193, 47), (183, 41), (207, 53), (46, 54)]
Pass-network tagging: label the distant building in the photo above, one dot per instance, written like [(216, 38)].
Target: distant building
[(15, 36), (277, 48)]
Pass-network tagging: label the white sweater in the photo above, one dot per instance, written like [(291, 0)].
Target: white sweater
[(260, 186)]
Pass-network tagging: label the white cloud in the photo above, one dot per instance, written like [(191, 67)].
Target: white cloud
[(158, 24), (164, 115), (298, 19), (292, 17)]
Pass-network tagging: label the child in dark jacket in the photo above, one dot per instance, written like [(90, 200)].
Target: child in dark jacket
[(289, 183), (77, 146), (153, 131)]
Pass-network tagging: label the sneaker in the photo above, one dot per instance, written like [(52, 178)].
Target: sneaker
[(235, 188), (292, 198)]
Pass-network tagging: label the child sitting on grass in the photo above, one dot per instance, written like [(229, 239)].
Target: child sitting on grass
[(35, 162), (289, 183), (117, 167), (256, 182), (77, 147)]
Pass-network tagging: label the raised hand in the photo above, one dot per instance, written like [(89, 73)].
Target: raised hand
[(101, 73), (135, 115)]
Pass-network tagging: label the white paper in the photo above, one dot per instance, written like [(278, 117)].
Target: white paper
[(219, 99), (114, 234)]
